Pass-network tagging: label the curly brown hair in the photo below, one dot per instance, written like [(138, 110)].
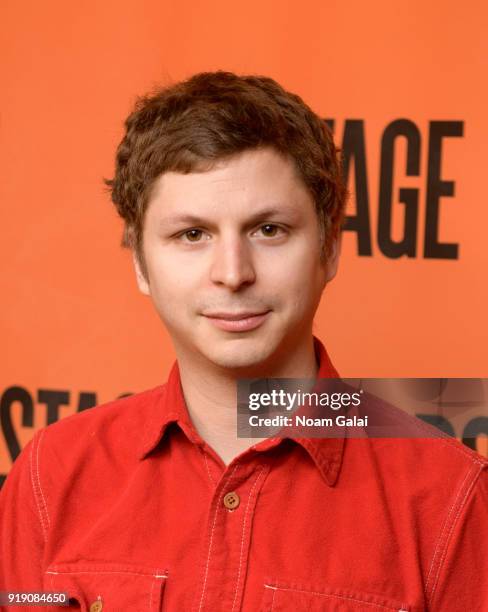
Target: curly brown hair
[(189, 126)]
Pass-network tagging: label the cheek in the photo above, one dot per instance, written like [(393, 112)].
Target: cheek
[(302, 274), (171, 291), (171, 272), (306, 290)]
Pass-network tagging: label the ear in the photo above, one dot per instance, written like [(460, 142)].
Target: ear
[(142, 282), (333, 260)]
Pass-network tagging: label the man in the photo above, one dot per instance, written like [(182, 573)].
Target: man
[(231, 192)]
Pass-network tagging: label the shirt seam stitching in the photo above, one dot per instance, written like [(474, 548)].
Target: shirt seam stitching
[(447, 539), (443, 530), (55, 572), (217, 508), (335, 595), (272, 600), (207, 466), (154, 582), (241, 555), (36, 484)]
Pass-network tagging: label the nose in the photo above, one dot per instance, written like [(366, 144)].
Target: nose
[(232, 265)]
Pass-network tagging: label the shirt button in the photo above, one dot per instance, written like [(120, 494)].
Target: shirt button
[(231, 500), (96, 606)]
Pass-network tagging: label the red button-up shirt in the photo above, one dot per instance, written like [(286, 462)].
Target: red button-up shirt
[(127, 507)]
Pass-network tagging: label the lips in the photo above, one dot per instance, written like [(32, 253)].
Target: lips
[(237, 322)]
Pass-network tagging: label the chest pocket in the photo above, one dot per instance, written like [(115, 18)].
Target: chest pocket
[(108, 587), (282, 597)]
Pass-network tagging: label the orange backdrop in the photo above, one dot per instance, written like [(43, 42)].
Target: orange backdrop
[(74, 327)]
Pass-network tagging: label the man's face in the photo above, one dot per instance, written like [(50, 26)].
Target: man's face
[(233, 260)]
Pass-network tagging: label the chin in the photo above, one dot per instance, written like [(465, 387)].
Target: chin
[(240, 357)]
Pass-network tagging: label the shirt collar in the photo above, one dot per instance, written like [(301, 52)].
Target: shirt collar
[(169, 407)]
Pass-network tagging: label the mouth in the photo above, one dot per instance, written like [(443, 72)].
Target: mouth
[(237, 322)]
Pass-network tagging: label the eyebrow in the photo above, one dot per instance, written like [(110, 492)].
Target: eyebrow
[(263, 215)]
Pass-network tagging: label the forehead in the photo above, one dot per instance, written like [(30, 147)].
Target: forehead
[(240, 185)]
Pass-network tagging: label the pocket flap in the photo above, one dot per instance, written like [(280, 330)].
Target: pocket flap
[(297, 597), (108, 587)]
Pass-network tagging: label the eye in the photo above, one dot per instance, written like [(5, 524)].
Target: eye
[(270, 230), (193, 235)]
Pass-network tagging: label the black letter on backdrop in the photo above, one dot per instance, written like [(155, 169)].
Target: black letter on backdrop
[(12, 395), (407, 196), (437, 188), (473, 429), (438, 421), (53, 400), (87, 400), (353, 147)]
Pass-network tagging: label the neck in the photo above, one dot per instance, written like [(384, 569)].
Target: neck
[(210, 393)]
